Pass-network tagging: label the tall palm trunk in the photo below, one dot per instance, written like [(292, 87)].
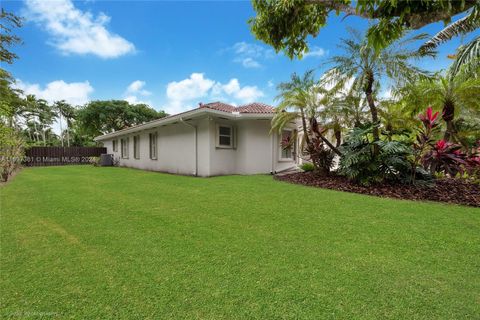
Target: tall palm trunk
[(304, 124), (316, 131), (35, 129), (373, 110), (61, 129), (338, 138), (448, 114), (68, 135)]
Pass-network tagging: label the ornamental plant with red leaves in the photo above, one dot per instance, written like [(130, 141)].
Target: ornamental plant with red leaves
[(424, 138), (445, 157)]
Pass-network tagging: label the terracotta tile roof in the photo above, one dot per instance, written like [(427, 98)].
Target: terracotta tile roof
[(254, 107), (220, 106)]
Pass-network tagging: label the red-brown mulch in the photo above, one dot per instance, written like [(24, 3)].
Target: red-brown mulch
[(442, 190)]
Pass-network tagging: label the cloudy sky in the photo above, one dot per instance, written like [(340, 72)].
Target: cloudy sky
[(171, 55)]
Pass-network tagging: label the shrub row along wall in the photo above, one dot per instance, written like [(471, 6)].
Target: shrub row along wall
[(59, 156)]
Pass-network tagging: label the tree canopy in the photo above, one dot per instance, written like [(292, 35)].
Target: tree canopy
[(286, 25), (100, 117)]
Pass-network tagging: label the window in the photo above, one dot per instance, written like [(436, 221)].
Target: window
[(224, 136), (287, 145), (136, 147), (124, 146), (115, 146), (153, 146)]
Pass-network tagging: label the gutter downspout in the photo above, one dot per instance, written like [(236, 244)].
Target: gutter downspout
[(194, 144), (272, 171)]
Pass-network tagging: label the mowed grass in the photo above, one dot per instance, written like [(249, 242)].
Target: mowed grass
[(97, 243)]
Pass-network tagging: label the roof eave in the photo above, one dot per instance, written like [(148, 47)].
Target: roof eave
[(174, 118)]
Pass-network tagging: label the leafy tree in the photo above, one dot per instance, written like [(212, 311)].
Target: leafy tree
[(11, 105), (8, 21), (361, 62), (285, 25), (100, 117)]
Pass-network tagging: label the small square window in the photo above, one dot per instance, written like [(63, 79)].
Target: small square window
[(224, 136)]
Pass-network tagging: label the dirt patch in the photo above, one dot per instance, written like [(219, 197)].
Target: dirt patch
[(443, 190)]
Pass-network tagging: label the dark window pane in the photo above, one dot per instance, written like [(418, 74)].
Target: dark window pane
[(225, 131), (224, 141)]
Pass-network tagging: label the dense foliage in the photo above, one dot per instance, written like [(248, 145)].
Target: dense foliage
[(286, 25), (386, 139), (100, 117)]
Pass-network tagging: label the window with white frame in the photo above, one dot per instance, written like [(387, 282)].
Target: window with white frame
[(136, 147), (114, 145), (224, 136), (124, 146), (153, 146), (287, 145)]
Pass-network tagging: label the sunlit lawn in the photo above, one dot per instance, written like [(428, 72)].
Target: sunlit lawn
[(94, 243)]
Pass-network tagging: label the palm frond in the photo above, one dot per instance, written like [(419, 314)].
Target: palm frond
[(468, 57), (465, 25)]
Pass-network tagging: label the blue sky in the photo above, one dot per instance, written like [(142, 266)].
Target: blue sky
[(171, 55)]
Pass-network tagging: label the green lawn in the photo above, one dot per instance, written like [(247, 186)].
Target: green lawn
[(89, 243)]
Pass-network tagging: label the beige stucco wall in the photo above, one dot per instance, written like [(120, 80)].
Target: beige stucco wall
[(252, 153)]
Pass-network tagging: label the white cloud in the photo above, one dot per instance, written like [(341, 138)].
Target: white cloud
[(185, 94), (249, 54), (136, 87), (250, 63), (270, 84), (76, 93), (315, 52), (76, 32), (244, 94), (134, 90)]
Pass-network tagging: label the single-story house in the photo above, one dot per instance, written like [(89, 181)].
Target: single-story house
[(213, 139)]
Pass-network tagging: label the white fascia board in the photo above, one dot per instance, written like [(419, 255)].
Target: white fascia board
[(177, 117)]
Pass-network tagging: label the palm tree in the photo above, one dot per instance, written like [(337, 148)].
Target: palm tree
[(64, 111), (453, 93), (462, 26), (343, 109), (46, 117), (395, 117), (468, 54), (32, 112), (368, 67), (467, 57), (69, 113), (300, 98)]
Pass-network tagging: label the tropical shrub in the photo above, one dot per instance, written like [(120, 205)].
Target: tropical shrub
[(360, 163), (320, 155), (307, 166), (445, 157), (424, 139), (11, 151)]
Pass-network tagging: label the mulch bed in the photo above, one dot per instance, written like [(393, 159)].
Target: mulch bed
[(443, 190)]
